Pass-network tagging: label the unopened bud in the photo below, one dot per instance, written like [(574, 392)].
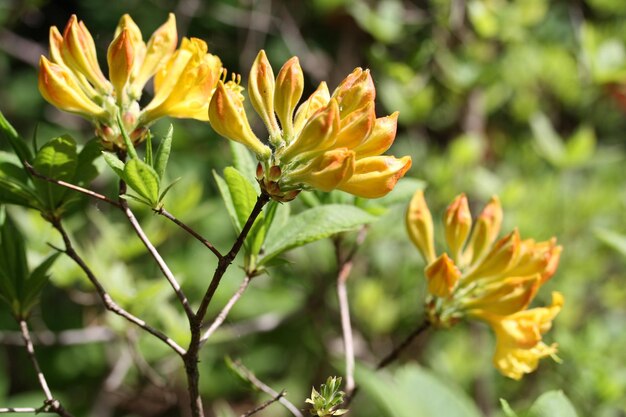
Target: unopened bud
[(442, 275), (457, 222), (419, 224)]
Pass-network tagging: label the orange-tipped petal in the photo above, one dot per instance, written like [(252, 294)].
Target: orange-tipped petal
[(61, 89), (327, 170), (227, 117), (380, 138), (261, 91), (355, 91), (288, 91), (376, 176), (442, 275), (356, 127), (315, 102), (419, 225), (485, 230)]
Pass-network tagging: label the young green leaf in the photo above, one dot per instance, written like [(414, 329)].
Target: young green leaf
[(142, 179), (130, 148), (56, 159), (148, 159), (14, 188), (244, 162), (115, 163), (86, 171), (12, 264), (163, 153), (222, 186), (314, 224), (19, 147)]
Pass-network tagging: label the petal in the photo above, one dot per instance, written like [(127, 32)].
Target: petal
[(289, 87), (442, 275), (419, 225), (326, 171), (315, 102), (376, 176), (380, 138)]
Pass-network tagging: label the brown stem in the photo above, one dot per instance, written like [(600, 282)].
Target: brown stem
[(158, 258), (74, 187), (50, 404), (189, 230), (195, 323), (224, 313), (108, 302)]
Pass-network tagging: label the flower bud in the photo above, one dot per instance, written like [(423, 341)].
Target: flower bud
[(419, 225), (485, 231), (159, 49), (288, 91), (261, 92), (228, 118), (442, 275), (503, 297), (316, 101), (121, 58), (356, 90), (61, 89), (318, 135), (356, 126), (375, 176), (380, 138), (79, 53), (457, 222), (503, 256), (326, 171)]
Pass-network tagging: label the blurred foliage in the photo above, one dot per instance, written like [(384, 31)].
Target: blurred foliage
[(523, 98)]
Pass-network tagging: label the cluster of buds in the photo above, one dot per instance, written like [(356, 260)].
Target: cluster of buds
[(327, 142), (72, 80), (488, 279)]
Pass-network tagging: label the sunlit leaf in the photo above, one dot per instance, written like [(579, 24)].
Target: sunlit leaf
[(58, 160), (142, 179), (552, 404)]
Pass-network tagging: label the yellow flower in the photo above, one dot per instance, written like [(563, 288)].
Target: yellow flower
[(327, 142), (487, 279), (72, 80), (519, 343)]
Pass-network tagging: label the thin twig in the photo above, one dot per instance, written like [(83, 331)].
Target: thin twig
[(249, 375), (224, 313), (158, 258), (345, 267), (106, 298), (50, 404), (189, 230), (74, 187), (264, 405)]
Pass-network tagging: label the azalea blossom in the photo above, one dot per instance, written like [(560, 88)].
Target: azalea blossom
[(490, 279), (72, 80), (329, 141)]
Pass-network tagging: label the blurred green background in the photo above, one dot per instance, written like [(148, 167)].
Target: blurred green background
[(519, 98)]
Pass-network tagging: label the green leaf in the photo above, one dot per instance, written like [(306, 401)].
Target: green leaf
[(243, 194), (115, 163), (163, 153), (13, 186), (581, 146), (36, 281), (12, 263), (228, 200), (86, 171), (142, 179), (56, 159), (314, 224), (414, 392), (244, 198), (244, 162), (552, 404), (19, 147)]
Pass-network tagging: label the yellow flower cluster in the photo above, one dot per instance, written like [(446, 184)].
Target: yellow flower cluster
[(488, 279), (72, 80), (327, 142)]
